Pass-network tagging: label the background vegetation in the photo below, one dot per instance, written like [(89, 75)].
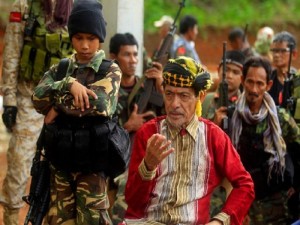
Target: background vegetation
[(215, 13), (227, 13)]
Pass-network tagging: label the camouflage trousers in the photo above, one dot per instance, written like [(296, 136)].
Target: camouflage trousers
[(22, 147), (269, 211), (78, 198), (119, 207)]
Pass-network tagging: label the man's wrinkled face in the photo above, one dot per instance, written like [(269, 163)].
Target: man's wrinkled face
[(255, 85), (180, 105)]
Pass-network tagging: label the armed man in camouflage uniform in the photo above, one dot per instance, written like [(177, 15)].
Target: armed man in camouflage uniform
[(214, 112), (280, 49), (260, 135), (211, 105), (35, 38), (77, 106), (124, 49)]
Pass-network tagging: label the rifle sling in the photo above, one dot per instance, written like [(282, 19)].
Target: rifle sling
[(134, 91)]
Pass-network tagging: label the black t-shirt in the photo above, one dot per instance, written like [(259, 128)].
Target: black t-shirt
[(276, 88)]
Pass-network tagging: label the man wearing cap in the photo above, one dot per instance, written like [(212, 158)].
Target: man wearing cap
[(164, 25), (178, 159)]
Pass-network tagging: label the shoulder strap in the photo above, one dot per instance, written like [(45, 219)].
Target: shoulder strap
[(64, 64), (103, 68), (62, 68)]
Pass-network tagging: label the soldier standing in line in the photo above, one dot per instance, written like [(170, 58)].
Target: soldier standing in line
[(260, 135), (284, 49), (124, 49), (36, 37)]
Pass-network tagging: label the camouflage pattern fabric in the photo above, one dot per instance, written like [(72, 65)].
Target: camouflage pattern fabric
[(270, 210), (20, 153), (119, 207), (289, 127), (78, 198), (123, 109), (17, 92), (50, 92)]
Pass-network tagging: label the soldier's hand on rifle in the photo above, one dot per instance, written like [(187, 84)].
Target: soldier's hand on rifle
[(220, 114), (81, 95), (155, 72), (136, 120)]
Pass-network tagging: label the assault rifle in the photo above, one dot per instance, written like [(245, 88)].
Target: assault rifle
[(39, 194), (287, 98), (151, 95), (223, 91)]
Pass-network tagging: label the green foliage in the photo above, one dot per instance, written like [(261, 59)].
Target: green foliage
[(226, 13)]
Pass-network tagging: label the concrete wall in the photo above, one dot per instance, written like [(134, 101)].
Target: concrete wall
[(125, 16)]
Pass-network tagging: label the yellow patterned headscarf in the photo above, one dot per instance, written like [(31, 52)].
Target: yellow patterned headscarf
[(186, 72)]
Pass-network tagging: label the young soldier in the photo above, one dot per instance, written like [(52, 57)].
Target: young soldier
[(35, 38), (234, 66), (77, 106)]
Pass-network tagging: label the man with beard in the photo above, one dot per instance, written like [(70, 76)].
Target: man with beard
[(260, 134)]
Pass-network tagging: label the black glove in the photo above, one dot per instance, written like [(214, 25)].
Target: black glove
[(9, 116)]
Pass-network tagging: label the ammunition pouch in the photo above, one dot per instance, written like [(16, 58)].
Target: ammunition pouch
[(43, 51), (88, 146)]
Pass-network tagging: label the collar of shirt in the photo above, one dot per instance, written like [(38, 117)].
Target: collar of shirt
[(94, 63), (191, 129)]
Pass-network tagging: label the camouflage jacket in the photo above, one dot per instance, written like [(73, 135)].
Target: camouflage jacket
[(123, 109), (14, 42), (290, 130), (213, 105), (50, 92)]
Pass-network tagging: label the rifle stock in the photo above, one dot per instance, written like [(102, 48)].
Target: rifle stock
[(151, 94), (223, 91)]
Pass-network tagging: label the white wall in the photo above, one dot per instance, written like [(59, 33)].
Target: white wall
[(125, 16)]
